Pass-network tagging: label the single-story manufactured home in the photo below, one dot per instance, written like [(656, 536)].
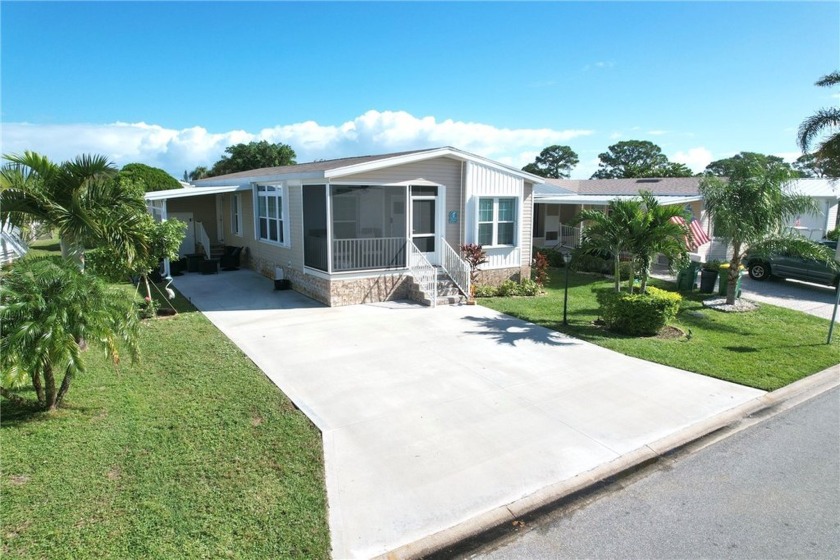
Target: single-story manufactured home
[(558, 201), (365, 229)]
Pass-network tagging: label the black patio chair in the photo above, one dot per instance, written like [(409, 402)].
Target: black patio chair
[(230, 259)]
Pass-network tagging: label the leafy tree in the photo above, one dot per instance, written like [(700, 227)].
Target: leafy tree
[(637, 158), (554, 161), (610, 231), (46, 306), (824, 122), (151, 178), (727, 166), (813, 166), (751, 209), (254, 155), (79, 199)]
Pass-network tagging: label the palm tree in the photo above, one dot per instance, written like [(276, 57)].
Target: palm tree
[(824, 120), (79, 199), (610, 231), (654, 230), (751, 210), (46, 306)]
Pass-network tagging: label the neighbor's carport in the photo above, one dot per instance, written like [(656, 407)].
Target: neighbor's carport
[(435, 417)]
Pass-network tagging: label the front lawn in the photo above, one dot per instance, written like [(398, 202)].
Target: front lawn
[(192, 453), (766, 349)]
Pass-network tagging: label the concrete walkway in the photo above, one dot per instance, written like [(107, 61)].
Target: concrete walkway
[(432, 418)]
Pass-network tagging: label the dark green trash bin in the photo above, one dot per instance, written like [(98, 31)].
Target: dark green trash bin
[(723, 282), (687, 276)]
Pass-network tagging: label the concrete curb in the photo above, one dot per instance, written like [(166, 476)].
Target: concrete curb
[(765, 405)]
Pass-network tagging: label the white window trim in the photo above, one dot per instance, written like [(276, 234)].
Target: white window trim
[(236, 214), (282, 194), (516, 220)]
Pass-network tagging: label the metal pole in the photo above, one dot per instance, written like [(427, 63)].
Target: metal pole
[(566, 292), (834, 313)]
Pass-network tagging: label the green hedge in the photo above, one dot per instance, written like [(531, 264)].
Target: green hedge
[(638, 314), (507, 289)]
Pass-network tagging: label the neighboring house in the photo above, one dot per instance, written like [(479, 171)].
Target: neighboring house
[(364, 229), (826, 194), (558, 201), (12, 246)]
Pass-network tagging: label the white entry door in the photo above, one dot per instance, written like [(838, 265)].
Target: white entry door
[(188, 244)]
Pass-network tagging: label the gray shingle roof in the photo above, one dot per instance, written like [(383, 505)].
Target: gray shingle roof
[(314, 166), (660, 186)]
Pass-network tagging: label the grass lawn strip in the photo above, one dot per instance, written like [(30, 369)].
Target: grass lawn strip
[(192, 453), (766, 349)]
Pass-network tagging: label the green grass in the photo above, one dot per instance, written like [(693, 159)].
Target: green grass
[(766, 349), (192, 453), (44, 247)]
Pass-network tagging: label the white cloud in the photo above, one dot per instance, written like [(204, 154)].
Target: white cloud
[(371, 133), (790, 157), (695, 158)]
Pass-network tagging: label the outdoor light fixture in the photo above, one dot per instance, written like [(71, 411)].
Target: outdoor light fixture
[(567, 258)]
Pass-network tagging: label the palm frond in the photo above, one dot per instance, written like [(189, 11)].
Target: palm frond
[(821, 121)]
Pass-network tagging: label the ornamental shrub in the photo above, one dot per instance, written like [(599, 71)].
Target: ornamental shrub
[(638, 314), (486, 290), (833, 235)]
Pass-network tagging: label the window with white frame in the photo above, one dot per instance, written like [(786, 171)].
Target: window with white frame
[(236, 214), (496, 221), (269, 213)]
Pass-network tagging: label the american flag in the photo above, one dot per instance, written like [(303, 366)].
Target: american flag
[(698, 235)]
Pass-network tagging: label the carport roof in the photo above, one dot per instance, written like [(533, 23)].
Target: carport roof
[(193, 191), (603, 200)]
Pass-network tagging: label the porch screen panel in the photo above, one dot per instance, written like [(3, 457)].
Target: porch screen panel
[(315, 226)]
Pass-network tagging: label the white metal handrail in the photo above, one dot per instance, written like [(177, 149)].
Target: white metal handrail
[(203, 238), (368, 253), (456, 267), (423, 272), (569, 236)]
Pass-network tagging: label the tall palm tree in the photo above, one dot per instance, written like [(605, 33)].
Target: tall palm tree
[(751, 210), (46, 306), (79, 199), (823, 121), (654, 231), (610, 231)]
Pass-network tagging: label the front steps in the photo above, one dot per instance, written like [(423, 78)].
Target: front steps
[(447, 291)]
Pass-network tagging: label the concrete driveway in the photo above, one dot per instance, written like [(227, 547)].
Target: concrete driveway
[(814, 299), (432, 418)]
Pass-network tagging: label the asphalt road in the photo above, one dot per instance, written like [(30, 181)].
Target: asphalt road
[(769, 491)]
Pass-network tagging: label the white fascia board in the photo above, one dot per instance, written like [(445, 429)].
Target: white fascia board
[(193, 191), (426, 155), (265, 179), (603, 200)]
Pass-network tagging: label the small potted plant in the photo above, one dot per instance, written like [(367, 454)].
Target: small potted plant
[(708, 276)]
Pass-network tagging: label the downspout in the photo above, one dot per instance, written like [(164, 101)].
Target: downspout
[(164, 214), (463, 208)]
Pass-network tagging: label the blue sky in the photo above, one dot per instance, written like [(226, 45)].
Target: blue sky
[(172, 84)]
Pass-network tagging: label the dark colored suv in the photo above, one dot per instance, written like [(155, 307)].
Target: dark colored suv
[(787, 266)]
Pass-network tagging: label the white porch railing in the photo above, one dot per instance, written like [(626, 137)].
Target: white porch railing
[(569, 236), (368, 253), (456, 267), (423, 272), (203, 238)]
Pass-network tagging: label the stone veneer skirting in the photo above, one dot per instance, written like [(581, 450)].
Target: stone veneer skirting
[(385, 286), (495, 276)]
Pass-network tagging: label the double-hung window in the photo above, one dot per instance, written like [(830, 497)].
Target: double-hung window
[(236, 214), (496, 221), (269, 222)]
